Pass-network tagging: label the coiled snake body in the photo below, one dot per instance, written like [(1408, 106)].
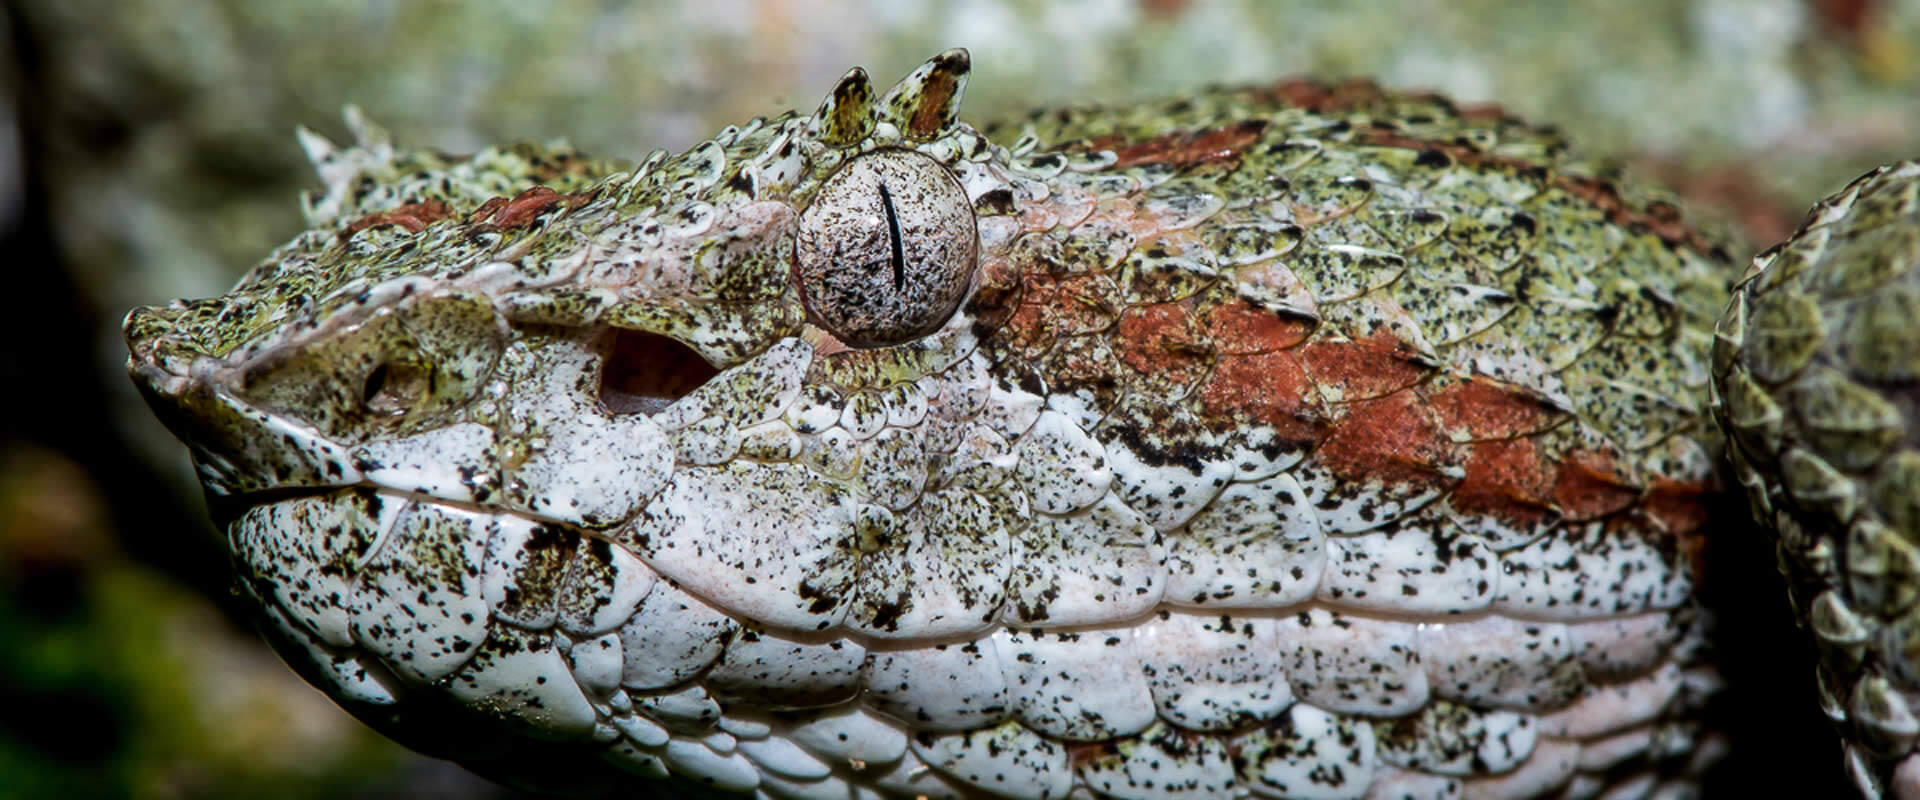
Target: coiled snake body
[(1294, 441)]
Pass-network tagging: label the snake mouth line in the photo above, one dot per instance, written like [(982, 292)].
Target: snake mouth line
[(226, 509), (231, 508)]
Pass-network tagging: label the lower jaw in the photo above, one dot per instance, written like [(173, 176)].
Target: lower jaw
[(516, 646)]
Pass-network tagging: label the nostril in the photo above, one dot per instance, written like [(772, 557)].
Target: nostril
[(394, 388), (376, 383), (645, 372)]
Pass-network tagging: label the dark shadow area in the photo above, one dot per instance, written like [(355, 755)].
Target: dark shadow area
[(1780, 743)]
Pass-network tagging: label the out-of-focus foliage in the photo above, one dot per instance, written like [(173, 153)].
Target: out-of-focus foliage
[(120, 683)]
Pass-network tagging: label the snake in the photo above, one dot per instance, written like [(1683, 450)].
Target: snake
[(1303, 440)]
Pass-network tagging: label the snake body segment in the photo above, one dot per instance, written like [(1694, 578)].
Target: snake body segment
[(1814, 369), (1297, 441)]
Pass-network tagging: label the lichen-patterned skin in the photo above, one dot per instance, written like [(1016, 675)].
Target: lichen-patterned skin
[(1294, 441), (1815, 366)]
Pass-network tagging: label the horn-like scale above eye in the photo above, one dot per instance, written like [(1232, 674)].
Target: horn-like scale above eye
[(886, 251)]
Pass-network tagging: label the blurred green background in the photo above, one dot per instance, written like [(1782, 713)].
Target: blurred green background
[(146, 153)]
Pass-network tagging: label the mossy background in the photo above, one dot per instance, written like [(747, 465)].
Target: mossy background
[(146, 153)]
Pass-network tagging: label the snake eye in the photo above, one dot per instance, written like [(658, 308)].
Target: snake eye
[(886, 250)]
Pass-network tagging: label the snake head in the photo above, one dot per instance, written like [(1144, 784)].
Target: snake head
[(851, 428), (430, 306), (643, 354)]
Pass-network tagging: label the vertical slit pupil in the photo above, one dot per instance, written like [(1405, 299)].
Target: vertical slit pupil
[(893, 237)]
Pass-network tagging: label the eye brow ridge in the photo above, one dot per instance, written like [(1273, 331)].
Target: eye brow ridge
[(893, 230)]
